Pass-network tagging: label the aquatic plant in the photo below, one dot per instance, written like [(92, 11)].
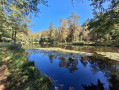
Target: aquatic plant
[(59, 52), (110, 55)]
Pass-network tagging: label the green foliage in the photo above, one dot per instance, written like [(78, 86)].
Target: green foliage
[(101, 40), (96, 31), (63, 33), (4, 44), (105, 23), (14, 17), (15, 21), (23, 74), (15, 47), (44, 37)]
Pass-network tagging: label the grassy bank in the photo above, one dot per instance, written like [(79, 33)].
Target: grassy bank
[(81, 44), (22, 73)]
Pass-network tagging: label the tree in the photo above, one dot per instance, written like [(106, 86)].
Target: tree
[(16, 13), (73, 27), (63, 30), (5, 35), (51, 33), (84, 34), (105, 19), (44, 37)]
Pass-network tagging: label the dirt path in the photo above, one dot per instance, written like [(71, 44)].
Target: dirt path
[(3, 73)]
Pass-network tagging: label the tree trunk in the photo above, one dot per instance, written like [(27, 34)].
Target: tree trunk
[(12, 35), (15, 36)]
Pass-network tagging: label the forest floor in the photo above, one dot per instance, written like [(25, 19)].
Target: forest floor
[(16, 72), (3, 70)]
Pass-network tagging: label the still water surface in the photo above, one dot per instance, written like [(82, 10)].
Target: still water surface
[(89, 72)]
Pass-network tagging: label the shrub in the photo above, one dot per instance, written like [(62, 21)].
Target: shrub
[(4, 44), (16, 47), (79, 43)]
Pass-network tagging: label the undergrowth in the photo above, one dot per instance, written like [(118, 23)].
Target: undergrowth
[(23, 74)]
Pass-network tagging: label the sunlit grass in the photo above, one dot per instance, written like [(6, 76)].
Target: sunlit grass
[(23, 74)]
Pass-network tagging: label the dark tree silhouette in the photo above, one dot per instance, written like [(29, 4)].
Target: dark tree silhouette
[(99, 86)]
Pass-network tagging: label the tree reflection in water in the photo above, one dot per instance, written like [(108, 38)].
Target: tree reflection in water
[(99, 86), (97, 63), (115, 82), (72, 64), (51, 58), (109, 67), (62, 62), (84, 61)]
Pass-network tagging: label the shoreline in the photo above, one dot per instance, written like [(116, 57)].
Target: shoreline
[(22, 73), (80, 44)]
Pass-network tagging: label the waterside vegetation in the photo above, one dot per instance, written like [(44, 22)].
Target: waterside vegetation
[(22, 74), (60, 52)]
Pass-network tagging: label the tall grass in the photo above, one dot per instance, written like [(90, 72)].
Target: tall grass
[(23, 75)]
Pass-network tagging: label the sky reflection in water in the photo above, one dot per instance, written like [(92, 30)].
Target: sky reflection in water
[(86, 72)]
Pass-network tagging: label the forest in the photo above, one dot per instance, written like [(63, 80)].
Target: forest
[(103, 29), (70, 31)]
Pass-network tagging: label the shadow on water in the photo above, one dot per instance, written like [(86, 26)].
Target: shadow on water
[(99, 86), (109, 68), (89, 72)]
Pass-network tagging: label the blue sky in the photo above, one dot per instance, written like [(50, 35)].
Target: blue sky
[(60, 9)]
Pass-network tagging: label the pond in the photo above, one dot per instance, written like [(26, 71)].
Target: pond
[(86, 72)]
